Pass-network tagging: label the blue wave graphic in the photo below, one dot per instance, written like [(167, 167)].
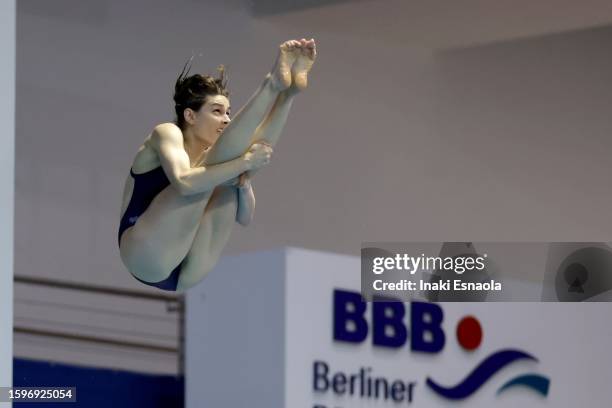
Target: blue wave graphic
[(536, 382), (481, 374)]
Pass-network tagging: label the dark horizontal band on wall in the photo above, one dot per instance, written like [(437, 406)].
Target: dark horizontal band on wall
[(92, 339), (97, 289)]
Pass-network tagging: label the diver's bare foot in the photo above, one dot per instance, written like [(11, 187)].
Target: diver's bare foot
[(303, 63), (281, 72)]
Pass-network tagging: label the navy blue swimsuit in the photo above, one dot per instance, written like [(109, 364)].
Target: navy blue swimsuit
[(146, 187)]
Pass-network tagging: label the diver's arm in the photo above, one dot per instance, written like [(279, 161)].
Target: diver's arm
[(167, 140), (246, 202)]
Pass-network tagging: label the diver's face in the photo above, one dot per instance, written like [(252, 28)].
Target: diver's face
[(212, 118)]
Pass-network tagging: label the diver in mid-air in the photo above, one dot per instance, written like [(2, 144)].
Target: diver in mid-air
[(191, 180)]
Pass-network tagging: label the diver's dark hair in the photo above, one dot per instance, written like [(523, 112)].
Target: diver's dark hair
[(191, 91)]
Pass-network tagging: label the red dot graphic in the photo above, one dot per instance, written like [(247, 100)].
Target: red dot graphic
[(469, 333)]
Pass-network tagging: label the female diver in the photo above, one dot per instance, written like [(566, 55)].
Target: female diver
[(190, 180)]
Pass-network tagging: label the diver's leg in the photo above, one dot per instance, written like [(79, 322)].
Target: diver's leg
[(213, 234), (163, 234), (270, 129), (220, 214), (237, 137)]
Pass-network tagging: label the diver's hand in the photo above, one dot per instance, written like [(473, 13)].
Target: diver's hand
[(258, 155)]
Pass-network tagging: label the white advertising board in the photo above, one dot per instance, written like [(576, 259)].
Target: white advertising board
[(283, 329)]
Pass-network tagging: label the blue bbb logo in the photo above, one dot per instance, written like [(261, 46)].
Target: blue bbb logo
[(428, 336)]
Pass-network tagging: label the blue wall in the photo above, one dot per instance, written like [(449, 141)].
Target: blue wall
[(100, 387)]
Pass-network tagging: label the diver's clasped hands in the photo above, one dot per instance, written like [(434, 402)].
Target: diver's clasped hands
[(258, 155)]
